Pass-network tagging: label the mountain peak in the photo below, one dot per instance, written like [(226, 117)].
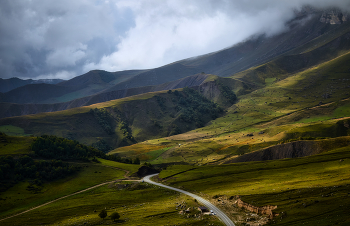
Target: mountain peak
[(334, 16)]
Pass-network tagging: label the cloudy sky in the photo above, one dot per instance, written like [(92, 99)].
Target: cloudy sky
[(65, 38)]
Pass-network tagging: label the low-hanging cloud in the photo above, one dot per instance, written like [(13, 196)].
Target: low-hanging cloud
[(62, 39)]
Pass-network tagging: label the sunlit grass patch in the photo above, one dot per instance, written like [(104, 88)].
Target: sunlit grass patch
[(14, 145), (132, 168), (18, 198), (279, 182), (136, 203), (13, 130)]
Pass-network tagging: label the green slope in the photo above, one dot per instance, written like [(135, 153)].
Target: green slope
[(128, 120), (311, 190), (305, 104)]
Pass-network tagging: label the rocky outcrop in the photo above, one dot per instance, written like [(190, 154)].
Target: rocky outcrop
[(300, 148), (289, 150), (333, 17), (264, 210)]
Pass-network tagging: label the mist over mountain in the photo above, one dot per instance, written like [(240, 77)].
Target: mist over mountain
[(65, 39), (307, 25)]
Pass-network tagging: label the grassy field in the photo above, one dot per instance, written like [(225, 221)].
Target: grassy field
[(311, 189), (12, 130), (13, 145), (128, 167), (18, 198), (137, 204)]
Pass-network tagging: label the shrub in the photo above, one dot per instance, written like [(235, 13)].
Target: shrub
[(103, 214), (115, 216)]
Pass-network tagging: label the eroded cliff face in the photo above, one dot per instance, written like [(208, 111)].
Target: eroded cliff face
[(289, 150), (334, 17), (264, 210)]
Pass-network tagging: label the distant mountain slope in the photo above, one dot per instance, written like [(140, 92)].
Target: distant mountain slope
[(11, 109), (127, 120), (164, 74), (305, 35), (13, 83), (287, 65), (34, 93), (302, 30), (87, 84), (99, 77)]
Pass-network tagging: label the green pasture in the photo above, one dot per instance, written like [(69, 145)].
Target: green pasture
[(307, 189), (136, 203), (18, 199), (14, 145), (13, 130), (152, 155), (132, 168), (175, 169)]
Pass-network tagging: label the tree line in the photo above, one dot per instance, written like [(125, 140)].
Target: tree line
[(53, 147), (25, 167), (194, 107)]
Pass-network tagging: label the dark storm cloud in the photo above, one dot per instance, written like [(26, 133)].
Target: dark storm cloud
[(56, 38), (62, 39)]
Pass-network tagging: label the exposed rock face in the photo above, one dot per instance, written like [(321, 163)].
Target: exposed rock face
[(265, 210), (289, 150), (333, 17)]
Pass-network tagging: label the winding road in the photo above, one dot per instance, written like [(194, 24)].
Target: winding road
[(205, 202), (147, 179)]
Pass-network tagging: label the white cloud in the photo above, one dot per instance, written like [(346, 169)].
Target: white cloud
[(58, 75), (68, 56)]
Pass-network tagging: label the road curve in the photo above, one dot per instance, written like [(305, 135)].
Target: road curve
[(221, 215)]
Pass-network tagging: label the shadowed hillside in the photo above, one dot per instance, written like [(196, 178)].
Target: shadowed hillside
[(127, 120), (11, 109)]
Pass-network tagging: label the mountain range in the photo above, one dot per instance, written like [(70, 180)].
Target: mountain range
[(263, 126), (291, 48)]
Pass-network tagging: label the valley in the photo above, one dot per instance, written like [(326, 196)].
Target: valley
[(261, 125)]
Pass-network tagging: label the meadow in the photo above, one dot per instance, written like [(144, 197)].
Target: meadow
[(313, 190), (136, 203)]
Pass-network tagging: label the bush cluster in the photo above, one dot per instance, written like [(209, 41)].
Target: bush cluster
[(194, 107), (227, 93), (53, 147), (104, 118)]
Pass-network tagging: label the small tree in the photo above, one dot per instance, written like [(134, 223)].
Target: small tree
[(115, 216), (103, 214)]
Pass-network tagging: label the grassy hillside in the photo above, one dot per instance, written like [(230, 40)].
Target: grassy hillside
[(135, 202), (311, 190), (128, 120), (305, 104), (14, 145)]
